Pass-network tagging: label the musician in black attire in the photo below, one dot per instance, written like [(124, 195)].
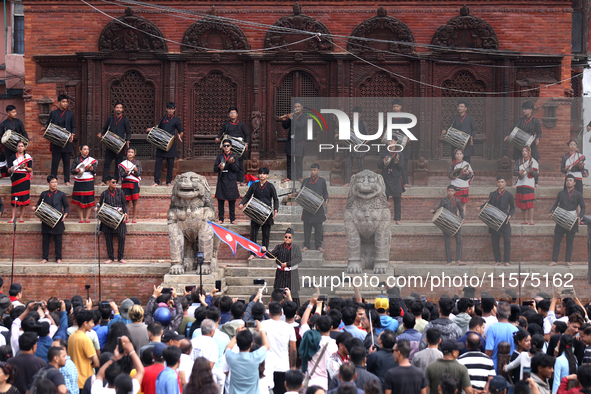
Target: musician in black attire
[(452, 204), (315, 220), (569, 200), (265, 192), (286, 124), (288, 256), (171, 124), (299, 125), (502, 199), (118, 125), (464, 122), (530, 125), (64, 118), (226, 166), (58, 200), (397, 107), (14, 124), (116, 198), (237, 129), (391, 164)]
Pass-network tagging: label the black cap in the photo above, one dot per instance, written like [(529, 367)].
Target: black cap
[(171, 336), (498, 383), (450, 345), (15, 287)]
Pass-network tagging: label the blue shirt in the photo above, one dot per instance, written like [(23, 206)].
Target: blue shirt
[(70, 374), (464, 338), (560, 371), (102, 332), (388, 323), (244, 370), (356, 332), (411, 335), (118, 318), (43, 345), (497, 333), (167, 382)]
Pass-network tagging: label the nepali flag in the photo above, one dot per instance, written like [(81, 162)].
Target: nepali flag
[(232, 240)]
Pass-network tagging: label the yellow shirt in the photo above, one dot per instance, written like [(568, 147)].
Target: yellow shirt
[(80, 350)]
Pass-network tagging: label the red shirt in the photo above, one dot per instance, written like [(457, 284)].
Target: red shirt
[(150, 375)]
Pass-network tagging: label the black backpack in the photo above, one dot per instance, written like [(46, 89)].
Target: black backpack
[(39, 375)]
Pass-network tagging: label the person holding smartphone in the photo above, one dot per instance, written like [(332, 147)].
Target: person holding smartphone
[(288, 256)]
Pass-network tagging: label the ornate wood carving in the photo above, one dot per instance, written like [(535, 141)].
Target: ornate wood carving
[(210, 34), (382, 27), (466, 31), (142, 36), (298, 21)]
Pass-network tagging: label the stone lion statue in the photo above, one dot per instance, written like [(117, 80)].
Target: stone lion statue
[(191, 206), (367, 224)]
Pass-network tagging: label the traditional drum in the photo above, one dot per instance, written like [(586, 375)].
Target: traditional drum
[(492, 216), (447, 221), (309, 200), (57, 135), (564, 218), (457, 138), (11, 138), (238, 145), (160, 138), (110, 216), (48, 214), (113, 142), (354, 140), (257, 210), (401, 139), (520, 139)]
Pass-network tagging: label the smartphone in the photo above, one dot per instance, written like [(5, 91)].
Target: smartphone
[(241, 300), (167, 290), (526, 373), (567, 291), (39, 304), (322, 297), (382, 284), (258, 282), (189, 289), (251, 324), (218, 285), (528, 303), (120, 346), (423, 298)]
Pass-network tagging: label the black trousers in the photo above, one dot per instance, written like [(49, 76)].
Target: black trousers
[(397, 207), (109, 157), (559, 232), (289, 167), (158, 169), (58, 245), (279, 382), (299, 167), (318, 234), (496, 247), (254, 232), (447, 240), (231, 208), (64, 157), (406, 153), (240, 173), (120, 249)]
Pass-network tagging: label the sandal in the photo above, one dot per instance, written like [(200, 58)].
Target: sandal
[(82, 221)]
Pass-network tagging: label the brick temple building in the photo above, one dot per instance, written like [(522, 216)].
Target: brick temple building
[(172, 51)]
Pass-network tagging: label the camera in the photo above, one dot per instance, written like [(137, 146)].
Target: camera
[(167, 290), (251, 324), (528, 303), (258, 282), (189, 289), (86, 287), (322, 297)]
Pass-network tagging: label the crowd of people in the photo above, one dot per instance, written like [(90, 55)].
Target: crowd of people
[(196, 343)]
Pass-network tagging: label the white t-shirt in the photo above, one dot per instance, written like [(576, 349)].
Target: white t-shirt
[(320, 377), (280, 334), (97, 387), (186, 365), (205, 346), (490, 320)]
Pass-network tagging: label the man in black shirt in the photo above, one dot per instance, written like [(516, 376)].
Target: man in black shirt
[(452, 204), (57, 357), (464, 122), (118, 125), (171, 124), (380, 361), (315, 220), (265, 192), (237, 129), (64, 118), (115, 197), (14, 124), (405, 379), (569, 200), (58, 200), (26, 363), (503, 200)]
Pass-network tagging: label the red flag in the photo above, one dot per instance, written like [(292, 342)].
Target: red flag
[(232, 240)]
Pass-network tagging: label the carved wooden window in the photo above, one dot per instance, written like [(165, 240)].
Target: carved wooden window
[(296, 84), (466, 81), (380, 84), (213, 95), (138, 98)]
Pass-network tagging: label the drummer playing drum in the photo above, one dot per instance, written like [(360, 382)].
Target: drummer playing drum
[(237, 129), (502, 199), (265, 192), (118, 125), (452, 204), (64, 118), (314, 220), (58, 200), (14, 124), (569, 200)]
